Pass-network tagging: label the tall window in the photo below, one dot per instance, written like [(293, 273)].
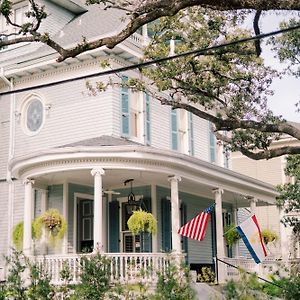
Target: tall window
[(147, 120), (174, 130), (132, 119), (212, 144)]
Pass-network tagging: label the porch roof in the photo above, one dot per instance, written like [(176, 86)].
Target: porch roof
[(123, 159)]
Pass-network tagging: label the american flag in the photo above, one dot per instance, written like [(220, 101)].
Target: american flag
[(196, 228)]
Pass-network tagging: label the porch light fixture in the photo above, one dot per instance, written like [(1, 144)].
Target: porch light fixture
[(132, 202)]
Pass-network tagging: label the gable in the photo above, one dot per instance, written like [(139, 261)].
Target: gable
[(74, 6)]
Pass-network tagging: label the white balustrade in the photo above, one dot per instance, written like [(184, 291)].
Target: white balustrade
[(124, 267)]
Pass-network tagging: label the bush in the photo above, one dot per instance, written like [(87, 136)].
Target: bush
[(206, 275), (95, 277)]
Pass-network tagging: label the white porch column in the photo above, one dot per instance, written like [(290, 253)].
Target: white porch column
[(98, 209), (219, 234), (175, 214), (28, 205), (253, 205)]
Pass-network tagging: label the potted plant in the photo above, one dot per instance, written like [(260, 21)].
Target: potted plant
[(231, 234), (269, 236), (51, 221), (141, 222)]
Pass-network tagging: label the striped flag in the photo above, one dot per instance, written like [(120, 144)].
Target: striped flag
[(251, 235), (196, 228)]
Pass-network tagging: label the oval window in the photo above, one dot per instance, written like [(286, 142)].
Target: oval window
[(34, 115)]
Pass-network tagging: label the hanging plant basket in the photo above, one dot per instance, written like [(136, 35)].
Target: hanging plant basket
[(269, 236), (142, 221), (231, 234), (18, 232)]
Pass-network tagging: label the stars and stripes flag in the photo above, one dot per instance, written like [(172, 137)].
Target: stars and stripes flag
[(196, 228)]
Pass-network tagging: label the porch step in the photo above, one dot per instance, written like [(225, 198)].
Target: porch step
[(206, 292)]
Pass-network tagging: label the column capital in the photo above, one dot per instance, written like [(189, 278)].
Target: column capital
[(97, 171), (251, 199), (28, 181), (217, 191), (174, 178)]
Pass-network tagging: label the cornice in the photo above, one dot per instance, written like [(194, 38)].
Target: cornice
[(135, 158)]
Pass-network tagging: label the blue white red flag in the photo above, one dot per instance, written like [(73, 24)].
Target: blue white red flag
[(196, 228), (250, 233)]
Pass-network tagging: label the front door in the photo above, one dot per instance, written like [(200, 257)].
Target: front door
[(130, 243), (85, 225)]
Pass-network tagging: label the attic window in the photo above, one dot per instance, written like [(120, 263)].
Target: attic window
[(33, 115)]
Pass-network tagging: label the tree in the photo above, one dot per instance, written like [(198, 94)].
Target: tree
[(136, 14)]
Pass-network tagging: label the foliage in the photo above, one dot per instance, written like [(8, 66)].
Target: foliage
[(289, 194), (54, 224), (95, 277), (231, 234), (142, 221), (39, 287), (269, 236), (174, 284), (206, 275), (247, 288)]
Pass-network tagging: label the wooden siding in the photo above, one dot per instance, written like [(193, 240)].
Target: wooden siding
[(4, 134), (73, 116), (3, 218)]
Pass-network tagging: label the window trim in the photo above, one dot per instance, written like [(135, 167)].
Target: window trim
[(24, 110)]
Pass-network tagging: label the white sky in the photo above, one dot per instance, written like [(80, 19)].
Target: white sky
[(286, 90)]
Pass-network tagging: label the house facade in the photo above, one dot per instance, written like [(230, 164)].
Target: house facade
[(272, 171), (84, 153)]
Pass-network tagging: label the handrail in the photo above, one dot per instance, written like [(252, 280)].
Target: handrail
[(250, 273)]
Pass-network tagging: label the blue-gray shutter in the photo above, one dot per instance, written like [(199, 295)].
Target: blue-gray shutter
[(174, 130), (191, 134), (114, 227), (183, 217), (147, 238), (147, 120), (125, 108), (212, 144), (166, 225)]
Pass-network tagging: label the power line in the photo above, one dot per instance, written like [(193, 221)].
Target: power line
[(154, 61)]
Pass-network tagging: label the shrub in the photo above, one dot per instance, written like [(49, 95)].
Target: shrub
[(269, 236), (231, 234), (206, 275)]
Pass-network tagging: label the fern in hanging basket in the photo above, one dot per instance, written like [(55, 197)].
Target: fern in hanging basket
[(18, 232), (231, 234), (54, 224), (269, 236), (142, 221)]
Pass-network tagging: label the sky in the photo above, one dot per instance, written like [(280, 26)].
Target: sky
[(287, 89)]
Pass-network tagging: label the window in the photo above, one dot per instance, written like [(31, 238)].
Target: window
[(174, 130), (212, 145), (147, 120), (135, 121), (33, 115)]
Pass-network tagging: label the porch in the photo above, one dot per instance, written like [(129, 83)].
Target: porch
[(86, 184)]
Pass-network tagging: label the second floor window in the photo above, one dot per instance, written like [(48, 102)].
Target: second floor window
[(212, 145), (174, 130)]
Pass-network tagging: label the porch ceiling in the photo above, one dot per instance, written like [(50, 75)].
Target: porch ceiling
[(114, 180)]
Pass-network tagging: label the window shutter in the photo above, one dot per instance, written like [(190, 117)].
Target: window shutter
[(183, 217), (191, 134), (166, 225), (147, 120), (114, 227), (174, 130), (125, 115), (146, 237), (212, 144)]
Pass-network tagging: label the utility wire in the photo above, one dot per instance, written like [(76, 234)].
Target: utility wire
[(154, 61)]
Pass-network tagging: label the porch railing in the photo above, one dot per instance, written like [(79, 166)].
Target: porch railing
[(264, 269), (124, 267)]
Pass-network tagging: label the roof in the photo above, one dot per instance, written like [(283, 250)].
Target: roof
[(104, 140)]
